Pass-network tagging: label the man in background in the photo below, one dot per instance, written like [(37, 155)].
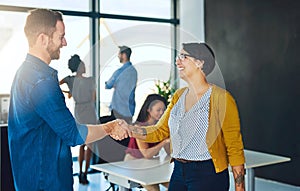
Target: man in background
[(124, 82)]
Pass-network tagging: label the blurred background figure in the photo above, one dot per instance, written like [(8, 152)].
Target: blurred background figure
[(124, 82), (82, 89), (122, 106), (151, 111)]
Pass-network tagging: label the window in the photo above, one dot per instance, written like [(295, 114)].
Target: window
[(13, 47), (150, 42), (151, 55), (74, 5), (153, 8)]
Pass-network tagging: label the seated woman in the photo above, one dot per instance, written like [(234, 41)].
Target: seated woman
[(151, 111)]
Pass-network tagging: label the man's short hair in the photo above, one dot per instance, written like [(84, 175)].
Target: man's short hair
[(41, 21), (126, 50)]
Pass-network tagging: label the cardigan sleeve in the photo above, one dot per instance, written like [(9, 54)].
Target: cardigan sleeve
[(160, 131), (232, 134)]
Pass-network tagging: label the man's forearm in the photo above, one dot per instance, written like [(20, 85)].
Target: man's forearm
[(95, 132), (239, 177), (117, 129)]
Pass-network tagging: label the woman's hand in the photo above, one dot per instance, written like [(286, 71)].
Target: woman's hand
[(166, 141), (239, 177), (167, 146)]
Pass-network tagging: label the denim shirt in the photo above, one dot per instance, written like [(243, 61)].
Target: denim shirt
[(124, 82), (41, 130)]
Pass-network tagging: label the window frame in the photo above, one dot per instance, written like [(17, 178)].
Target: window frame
[(94, 14)]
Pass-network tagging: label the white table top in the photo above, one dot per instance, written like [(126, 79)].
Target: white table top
[(142, 171), (154, 171), (257, 159)]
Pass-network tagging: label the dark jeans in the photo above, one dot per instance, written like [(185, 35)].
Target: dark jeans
[(198, 176)]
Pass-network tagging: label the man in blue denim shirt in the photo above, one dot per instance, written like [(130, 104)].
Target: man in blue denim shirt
[(124, 82), (41, 129)]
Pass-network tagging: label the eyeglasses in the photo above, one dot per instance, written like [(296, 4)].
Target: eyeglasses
[(183, 56)]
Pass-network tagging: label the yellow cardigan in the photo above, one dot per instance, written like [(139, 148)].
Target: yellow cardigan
[(223, 138)]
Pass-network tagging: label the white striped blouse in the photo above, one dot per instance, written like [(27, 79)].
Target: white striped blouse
[(188, 129)]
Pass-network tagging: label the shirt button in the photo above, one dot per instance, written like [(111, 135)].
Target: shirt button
[(214, 160)]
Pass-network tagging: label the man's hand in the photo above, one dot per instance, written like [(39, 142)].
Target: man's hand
[(117, 129)]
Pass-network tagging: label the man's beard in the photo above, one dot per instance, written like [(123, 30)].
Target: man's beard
[(53, 53)]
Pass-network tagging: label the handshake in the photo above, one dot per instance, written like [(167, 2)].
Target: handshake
[(119, 129)]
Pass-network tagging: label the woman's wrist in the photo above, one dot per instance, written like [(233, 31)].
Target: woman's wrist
[(139, 131), (239, 177)]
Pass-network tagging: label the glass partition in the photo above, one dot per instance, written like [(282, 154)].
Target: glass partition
[(150, 42), (74, 5), (13, 47), (151, 55), (153, 8)]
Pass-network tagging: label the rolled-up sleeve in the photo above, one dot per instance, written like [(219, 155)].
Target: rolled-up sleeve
[(49, 103), (110, 83)]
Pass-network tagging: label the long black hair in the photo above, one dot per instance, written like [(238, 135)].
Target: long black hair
[(143, 115)]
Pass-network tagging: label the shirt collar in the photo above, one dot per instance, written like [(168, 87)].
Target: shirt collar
[(40, 65), (128, 63)]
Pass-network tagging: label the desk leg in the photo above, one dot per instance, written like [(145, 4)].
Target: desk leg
[(250, 179)]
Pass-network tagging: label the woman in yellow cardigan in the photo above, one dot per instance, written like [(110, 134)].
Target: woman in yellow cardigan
[(203, 124)]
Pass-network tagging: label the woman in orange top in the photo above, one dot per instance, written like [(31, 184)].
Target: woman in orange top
[(203, 124)]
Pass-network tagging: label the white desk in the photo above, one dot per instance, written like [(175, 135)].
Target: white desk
[(132, 173), (258, 159)]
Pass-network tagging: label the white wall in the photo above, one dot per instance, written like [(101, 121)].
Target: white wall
[(191, 20), (191, 15)]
